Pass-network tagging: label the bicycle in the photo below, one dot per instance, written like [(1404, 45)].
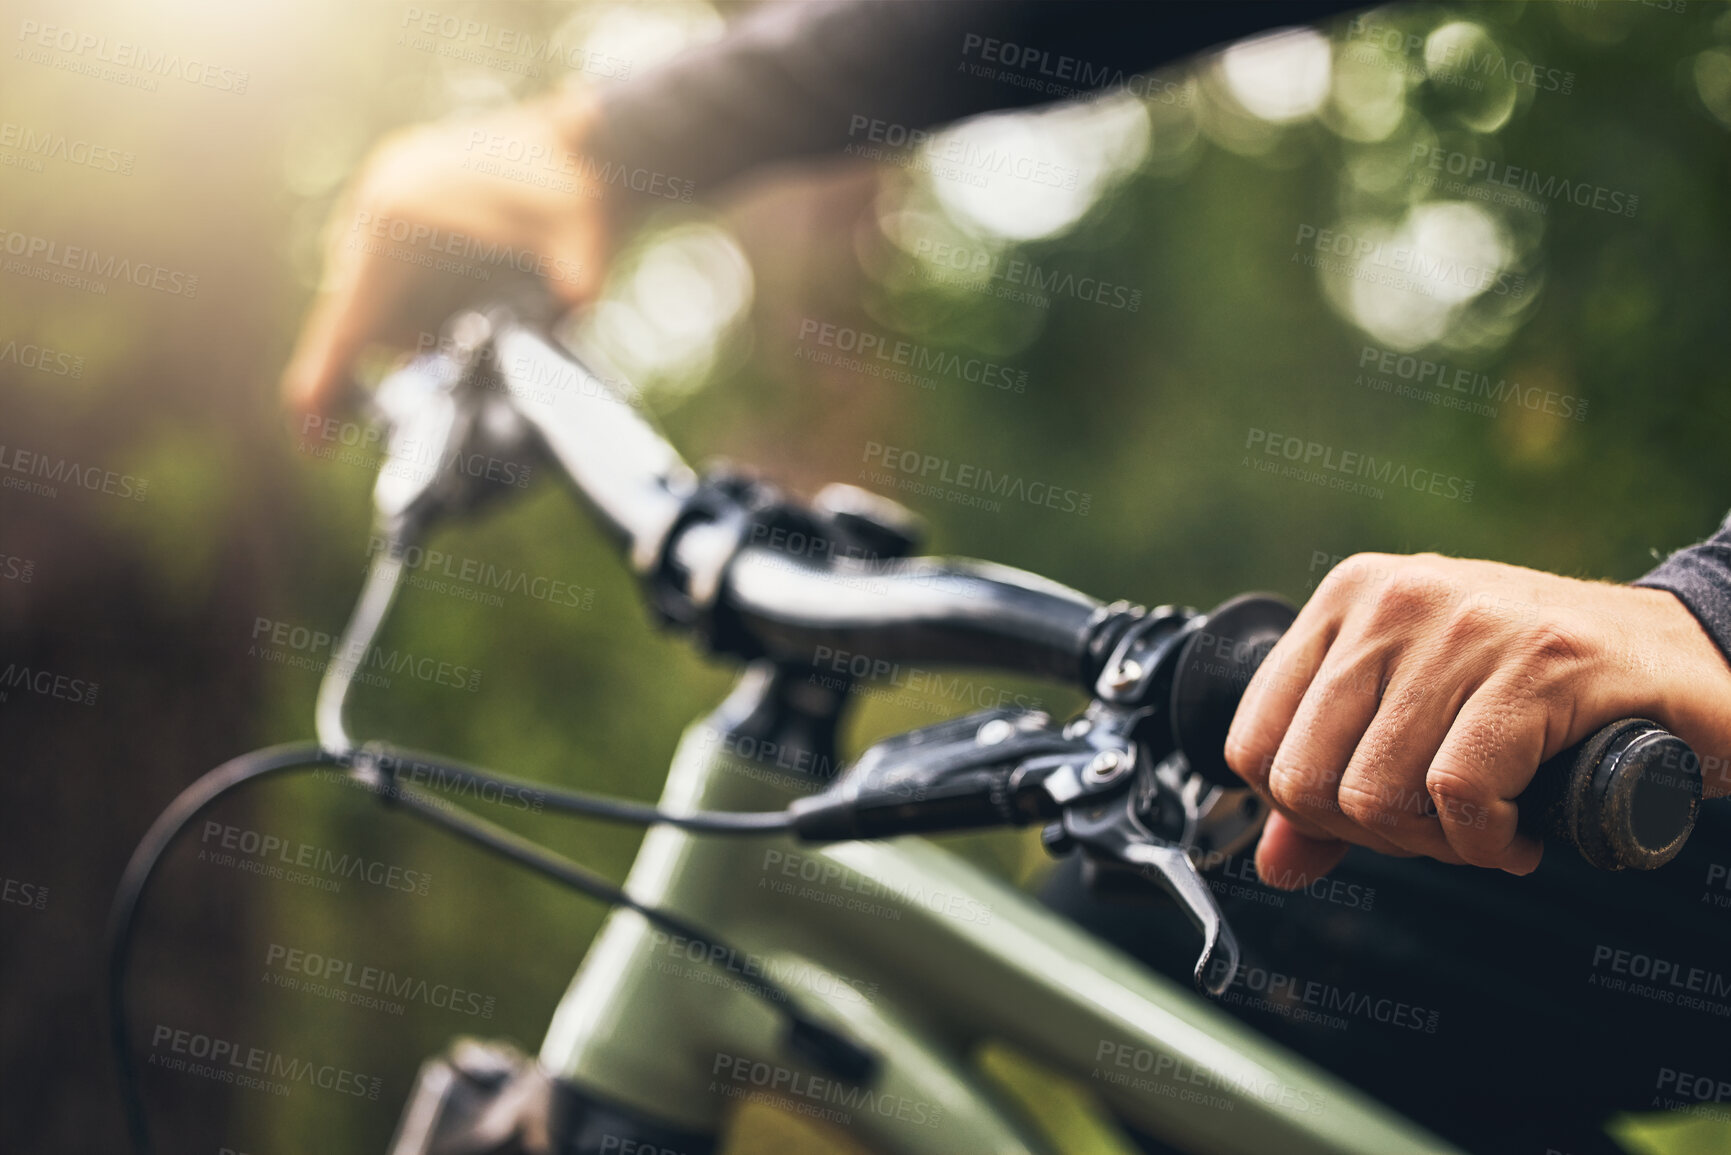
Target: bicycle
[(910, 956)]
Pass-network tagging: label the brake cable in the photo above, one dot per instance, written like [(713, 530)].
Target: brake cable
[(377, 768)]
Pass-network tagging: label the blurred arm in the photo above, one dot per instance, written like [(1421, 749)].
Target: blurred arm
[(805, 79)]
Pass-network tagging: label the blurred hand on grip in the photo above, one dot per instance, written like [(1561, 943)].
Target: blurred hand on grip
[(442, 215)]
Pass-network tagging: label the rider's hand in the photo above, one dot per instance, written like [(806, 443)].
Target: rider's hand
[(1414, 697), (439, 214)]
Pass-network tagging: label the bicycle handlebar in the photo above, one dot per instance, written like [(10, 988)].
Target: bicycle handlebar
[(955, 611), (632, 479), (1623, 798), (961, 612)]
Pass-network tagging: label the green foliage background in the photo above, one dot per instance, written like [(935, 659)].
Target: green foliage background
[(1146, 411)]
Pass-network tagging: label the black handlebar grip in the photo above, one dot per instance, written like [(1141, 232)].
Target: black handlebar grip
[(1625, 798), (1214, 669)]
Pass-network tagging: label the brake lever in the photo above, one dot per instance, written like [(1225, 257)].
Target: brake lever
[(1096, 787), (1113, 836)]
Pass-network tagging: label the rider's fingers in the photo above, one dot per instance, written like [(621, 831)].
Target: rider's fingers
[(1287, 858), (1383, 788), (350, 311), (1304, 778), (1272, 697), (1485, 762)]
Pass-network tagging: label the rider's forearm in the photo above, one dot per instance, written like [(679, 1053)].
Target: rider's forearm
[(807, 79)]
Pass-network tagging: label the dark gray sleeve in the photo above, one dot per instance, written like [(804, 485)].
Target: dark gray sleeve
[(810, 77), (1700, 576)]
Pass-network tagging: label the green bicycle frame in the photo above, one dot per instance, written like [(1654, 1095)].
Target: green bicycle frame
[(925, 958)]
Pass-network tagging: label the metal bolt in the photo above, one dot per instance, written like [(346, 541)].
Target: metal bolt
[(1107, 765), (1125, 677), (995, 731), (1078, 728)]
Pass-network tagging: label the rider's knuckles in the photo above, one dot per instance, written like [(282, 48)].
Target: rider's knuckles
[(1470, 626), (1249, 756), (1254, 737), (1303, 791), (1354, 681), (1413, 598), (1368, 806), (1467, 810), (1354, 578)]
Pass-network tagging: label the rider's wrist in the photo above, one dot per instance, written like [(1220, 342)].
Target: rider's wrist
[(1694, 681)]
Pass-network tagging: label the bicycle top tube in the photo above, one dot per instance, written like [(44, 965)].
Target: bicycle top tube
[(944, 611)]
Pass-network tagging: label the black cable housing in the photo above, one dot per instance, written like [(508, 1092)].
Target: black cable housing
[(396, 764), (379, 768)]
